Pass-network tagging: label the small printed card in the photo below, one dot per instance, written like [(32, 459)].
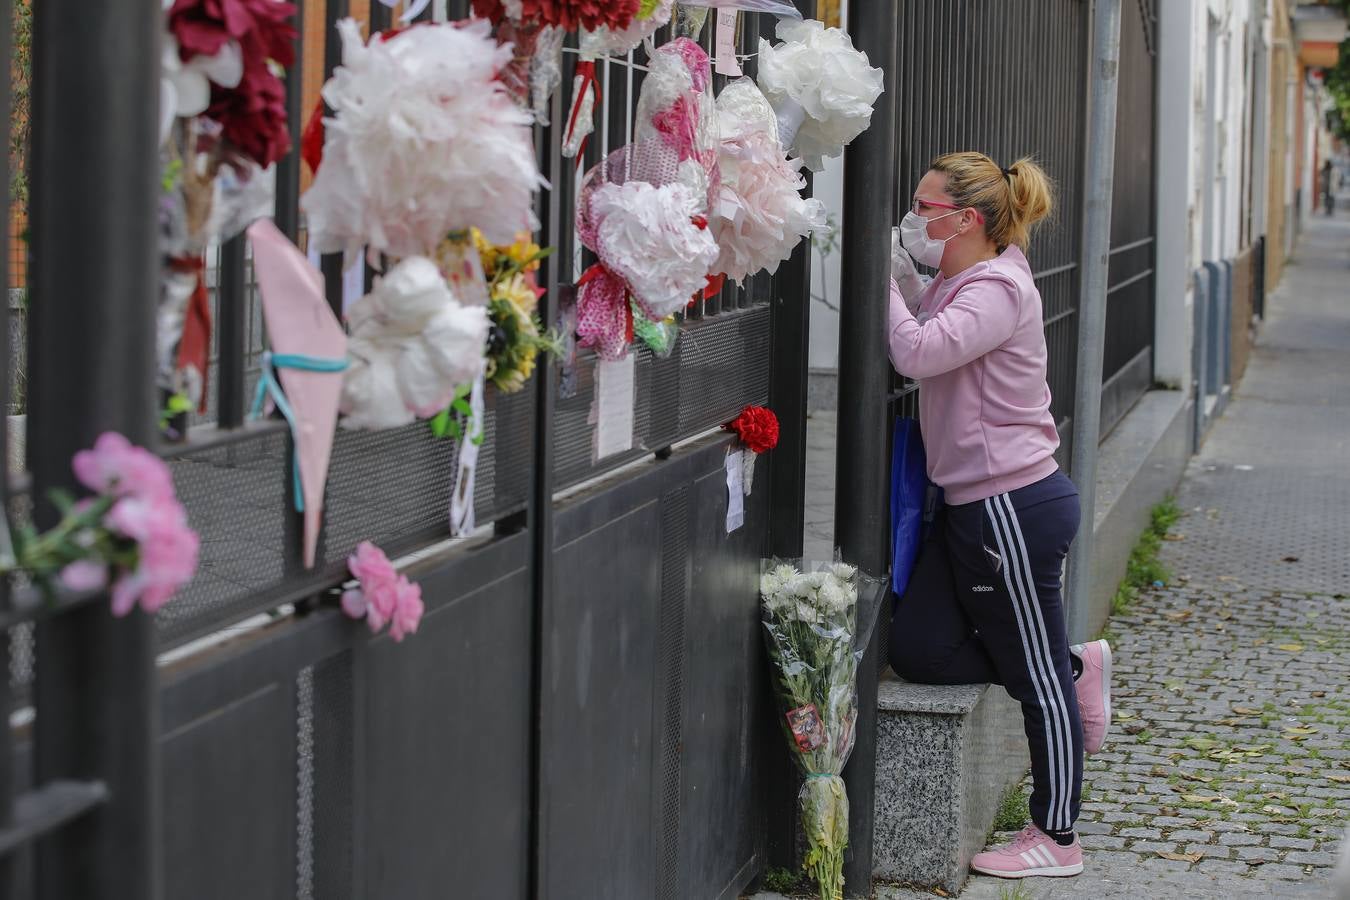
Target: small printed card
[(614, 396), (724, 61), (807, 729)]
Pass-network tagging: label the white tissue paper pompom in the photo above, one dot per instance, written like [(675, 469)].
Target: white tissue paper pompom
[(647, 236), (412, 343), (816, 74), (423, 141), (761, 215)]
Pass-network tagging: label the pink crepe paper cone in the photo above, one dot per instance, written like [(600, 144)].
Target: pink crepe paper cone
[(299, 321)]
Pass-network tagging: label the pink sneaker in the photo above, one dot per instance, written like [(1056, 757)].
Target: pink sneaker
[(1094, 692), (1033, 852)]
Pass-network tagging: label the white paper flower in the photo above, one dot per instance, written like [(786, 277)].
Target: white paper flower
[(818, 76), (185, 87), (423, 141), (412, 343), (647, 235)]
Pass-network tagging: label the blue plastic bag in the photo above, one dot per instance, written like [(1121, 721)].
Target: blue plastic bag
[(914, 500)]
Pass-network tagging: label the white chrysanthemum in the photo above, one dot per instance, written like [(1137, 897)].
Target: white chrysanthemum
[(647, 236), (423, 141), (412, 343), (817, 75), (843, 571), (832, 598)]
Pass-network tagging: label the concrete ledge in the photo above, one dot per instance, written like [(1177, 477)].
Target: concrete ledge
[(1138, 465), (945, 755)]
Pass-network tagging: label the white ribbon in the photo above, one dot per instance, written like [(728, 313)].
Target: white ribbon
[(413, 11), (461, 499)]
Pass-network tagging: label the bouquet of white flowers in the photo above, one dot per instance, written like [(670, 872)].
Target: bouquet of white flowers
[(818, 618)]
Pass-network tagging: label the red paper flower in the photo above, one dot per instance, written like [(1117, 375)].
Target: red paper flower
[(570, 14), (252, 115), (757, 427)]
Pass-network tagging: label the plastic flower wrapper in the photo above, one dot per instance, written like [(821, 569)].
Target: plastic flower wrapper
[(821, 88), (780, 8), (761, 215), (818, 619), (676, 108), (598, 42), (412, 344), (650, 233), (131, 534), (423, 141)]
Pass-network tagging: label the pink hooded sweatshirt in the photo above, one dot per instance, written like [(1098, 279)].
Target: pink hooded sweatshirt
[(977, 349)]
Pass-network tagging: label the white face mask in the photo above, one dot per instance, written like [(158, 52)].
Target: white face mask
[(917, 242)]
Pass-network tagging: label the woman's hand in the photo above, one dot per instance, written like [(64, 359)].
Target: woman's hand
[(903, 271)]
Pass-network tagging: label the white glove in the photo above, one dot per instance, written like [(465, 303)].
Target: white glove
[(902, 270)]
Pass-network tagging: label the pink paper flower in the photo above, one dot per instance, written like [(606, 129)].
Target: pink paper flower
[(408, 609), (84, 575), (384, 597), (370, 566), (118, 468), (167, 558)]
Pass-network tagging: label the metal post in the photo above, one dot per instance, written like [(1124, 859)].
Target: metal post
[(861, 509), (1101, 160), (94, 280)]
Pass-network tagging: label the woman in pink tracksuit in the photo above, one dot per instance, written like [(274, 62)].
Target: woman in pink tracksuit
[(984, 603)]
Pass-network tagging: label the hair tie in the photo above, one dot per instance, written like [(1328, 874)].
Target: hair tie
[(1009, 173)]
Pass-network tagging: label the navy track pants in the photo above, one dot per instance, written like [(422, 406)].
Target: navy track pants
[(985, 604)]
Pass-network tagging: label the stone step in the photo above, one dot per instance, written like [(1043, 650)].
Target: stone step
[(945, 756)]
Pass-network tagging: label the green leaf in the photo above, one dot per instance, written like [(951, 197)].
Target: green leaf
[(462, 407), (62, 500), (440, 424), (477, 439)]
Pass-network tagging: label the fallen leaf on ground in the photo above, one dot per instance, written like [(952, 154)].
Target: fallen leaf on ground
[(1125, 716), (1246, 711), (1174, 537), (1232, 722), (1196, 776), (1134, 727), (1200, 798), (1183, 857), (1292, 648), (1302, 729), (1339, 779), (1201, 743), (1179, 616), (1319, 693)]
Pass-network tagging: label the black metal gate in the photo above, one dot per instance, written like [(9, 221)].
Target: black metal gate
[(1006, 79), (579, 712), (1127, 368)]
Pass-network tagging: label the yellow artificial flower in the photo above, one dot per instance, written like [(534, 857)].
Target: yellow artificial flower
[(524, 252), (518, 292)]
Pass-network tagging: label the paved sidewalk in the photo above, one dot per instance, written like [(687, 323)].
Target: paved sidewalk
[(1228, 769)]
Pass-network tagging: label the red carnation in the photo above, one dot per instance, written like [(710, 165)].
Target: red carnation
[(757, 427), (570, 14)]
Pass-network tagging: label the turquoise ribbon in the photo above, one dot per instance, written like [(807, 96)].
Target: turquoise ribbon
[(268, 385)]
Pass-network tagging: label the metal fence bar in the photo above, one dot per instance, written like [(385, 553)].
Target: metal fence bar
[(287, 215), (231, 333), (91, 358), (861, 512), (331, 263), (1092, 319), (7, 787)]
